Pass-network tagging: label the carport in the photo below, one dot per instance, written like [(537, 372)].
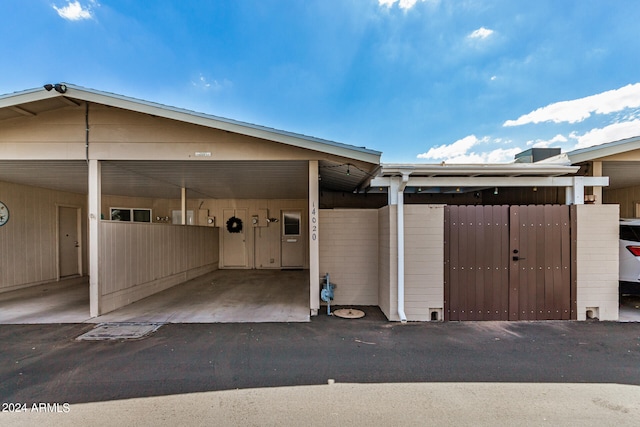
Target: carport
[(140, 197), (222, 296)]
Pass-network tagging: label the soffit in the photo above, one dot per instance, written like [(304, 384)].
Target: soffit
[(203, 179), (622, 174)]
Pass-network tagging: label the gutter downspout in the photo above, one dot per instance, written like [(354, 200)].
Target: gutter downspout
[(400, 222), (86, 124)]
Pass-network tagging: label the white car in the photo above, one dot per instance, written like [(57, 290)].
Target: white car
[(630, 256)]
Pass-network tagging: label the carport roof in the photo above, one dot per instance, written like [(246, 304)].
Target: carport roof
[(343, 167), (34, 101)]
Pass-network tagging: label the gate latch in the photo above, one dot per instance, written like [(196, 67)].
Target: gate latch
[(516, 257)]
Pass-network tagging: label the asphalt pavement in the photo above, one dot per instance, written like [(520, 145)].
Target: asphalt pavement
[(44, 364)]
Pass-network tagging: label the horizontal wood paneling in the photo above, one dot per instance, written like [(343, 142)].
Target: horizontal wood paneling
[(424, 260), (132, 254), (387, 263), (348, 241), (597, 260), (28, 242)]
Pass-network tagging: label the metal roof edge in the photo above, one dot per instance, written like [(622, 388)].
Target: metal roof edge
[(29, 95), (603, 150), (477, 169)]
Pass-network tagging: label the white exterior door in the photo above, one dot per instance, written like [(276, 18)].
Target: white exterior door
[(234, 231), (68, 241), (293, 250)]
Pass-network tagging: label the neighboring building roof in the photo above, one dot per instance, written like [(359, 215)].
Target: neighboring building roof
[(23, 103), (476, 170), (604, 150)]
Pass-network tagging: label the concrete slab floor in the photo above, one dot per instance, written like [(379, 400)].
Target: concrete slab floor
[(223, 296)]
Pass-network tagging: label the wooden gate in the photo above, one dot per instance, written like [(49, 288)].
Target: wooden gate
[(508, 263)]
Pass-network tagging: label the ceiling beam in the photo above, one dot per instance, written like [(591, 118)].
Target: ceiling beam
[(22, 111)]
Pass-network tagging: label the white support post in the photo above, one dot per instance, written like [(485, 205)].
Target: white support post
[(575, 193), (94, 202), (183, 208), (314, 244), (400, 222)]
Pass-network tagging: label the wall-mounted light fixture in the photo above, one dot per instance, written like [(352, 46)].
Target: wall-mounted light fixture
[(495, 192), (59, 87)]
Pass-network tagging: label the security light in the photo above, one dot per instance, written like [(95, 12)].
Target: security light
[(59, 87)]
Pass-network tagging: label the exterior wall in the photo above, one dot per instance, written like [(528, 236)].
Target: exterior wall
[(49, 135), (597, 261), (349, 253), (424, 262), (262, 243), (626, 197), (118, 134), (266, 239), (388, 262), (138, 260), (28, 242)]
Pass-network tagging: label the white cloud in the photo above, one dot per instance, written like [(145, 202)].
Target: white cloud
[(403, 4), (461, 152), (458, 148), (206, 84), (578, 110), (540, 143), (74, 11), (481, 33), (614, 132)]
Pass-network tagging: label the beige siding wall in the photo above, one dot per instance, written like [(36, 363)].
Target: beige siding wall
[(349, 253), (388, 262), (626, 197), (424, 261), (265, 239), (597, 260), (262, 243), (138, 260), (28, 242)]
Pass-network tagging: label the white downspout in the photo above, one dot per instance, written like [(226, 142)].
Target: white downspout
[(400, 222)]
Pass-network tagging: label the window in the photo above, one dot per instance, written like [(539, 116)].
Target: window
[(128, 215), (291, 224)]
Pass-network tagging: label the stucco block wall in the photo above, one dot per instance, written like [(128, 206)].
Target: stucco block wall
[(349, 253), (28, 242), (597, 260), (388, 262), (424, 261), (139, 259)]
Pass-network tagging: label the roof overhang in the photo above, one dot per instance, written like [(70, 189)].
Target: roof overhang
[(442, 178), (26, 103), (604, 151)]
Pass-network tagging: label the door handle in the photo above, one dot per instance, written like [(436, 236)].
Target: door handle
[(517, 258)]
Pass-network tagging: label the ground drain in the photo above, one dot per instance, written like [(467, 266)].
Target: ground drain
[(349, 313), (119, 331)]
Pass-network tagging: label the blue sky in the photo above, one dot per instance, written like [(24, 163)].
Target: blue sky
[(464, 81)]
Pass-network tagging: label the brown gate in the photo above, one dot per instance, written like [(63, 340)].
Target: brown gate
[(508, 263)]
